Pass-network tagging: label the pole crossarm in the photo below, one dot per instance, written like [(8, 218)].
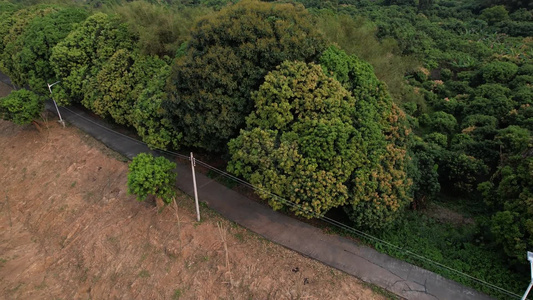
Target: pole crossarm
[(55, 104)]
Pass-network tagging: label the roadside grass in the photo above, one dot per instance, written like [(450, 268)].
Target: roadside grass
[(460, 248)]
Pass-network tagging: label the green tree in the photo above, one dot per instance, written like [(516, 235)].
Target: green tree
[(424, 173), (149, 175), (300, 142), (119, 83), (510, 194), (149, 117), (357, 36), (21, 107), (161, 29), (228, 56), (514, 139), (381, 188), (494, 14), (498, 72), (12, 29), (31, 63), (440, 122), (80, 56), (490, 99), (460, 173)]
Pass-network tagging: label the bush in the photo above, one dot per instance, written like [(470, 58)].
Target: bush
[(498, 72), (494, 14), (439, 122), (149, 175), (21, 107), (460, 173)]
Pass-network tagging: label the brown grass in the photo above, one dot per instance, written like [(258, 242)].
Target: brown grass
[(69, 230)]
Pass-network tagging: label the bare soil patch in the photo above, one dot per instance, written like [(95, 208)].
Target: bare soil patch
[(69, 230), (446, 215)]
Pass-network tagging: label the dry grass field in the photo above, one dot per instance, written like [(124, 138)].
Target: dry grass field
[(69, 230)]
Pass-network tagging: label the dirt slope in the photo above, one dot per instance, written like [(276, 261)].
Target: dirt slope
[(68, 230)]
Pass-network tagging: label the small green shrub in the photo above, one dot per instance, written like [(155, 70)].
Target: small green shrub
[(149, 175), (21, 107)]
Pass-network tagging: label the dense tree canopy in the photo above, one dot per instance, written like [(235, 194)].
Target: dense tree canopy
[(149, 117), (32, 65), (227, 58), (312, 141), (321, 136), (161, 29), (78, 58), (300, 142), (12, 30), (381, 185)]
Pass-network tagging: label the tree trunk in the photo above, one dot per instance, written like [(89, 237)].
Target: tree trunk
[(159, 203), (36, 124)]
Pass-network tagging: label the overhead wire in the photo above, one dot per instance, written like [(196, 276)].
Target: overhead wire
[(363, 234), (301, 209)]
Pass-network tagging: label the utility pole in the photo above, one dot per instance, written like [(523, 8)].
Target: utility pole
[(55, 104), (193, 164), (530, 258)]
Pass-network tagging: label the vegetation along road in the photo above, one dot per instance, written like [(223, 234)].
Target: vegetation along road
[(408, 120)]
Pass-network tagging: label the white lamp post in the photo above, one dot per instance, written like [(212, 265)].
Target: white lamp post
[(530, 258), (58, 113)]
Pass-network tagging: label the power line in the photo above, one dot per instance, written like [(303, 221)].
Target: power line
[(361, 233), (301, 209), (125, 136)]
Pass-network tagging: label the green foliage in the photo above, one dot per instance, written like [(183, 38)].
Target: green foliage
[(459, 173), (149, 117), (498, 72), (514, 139), (423, 171), (110, 93), (78, 58), (300, 143), (436, 138), (458, 246), (161, 29), (381, 187), (440, 122), (21, 107), (228, 56), (149, 175), (12, 29), (511, 4), (510, 194), (494, 14), (358, 36), (31, 64)]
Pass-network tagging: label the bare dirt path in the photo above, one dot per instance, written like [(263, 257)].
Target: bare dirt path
[(68, 230)]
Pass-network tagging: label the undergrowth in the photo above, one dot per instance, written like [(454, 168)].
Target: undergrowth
[(458, 247)]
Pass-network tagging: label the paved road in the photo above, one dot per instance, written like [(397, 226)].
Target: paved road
[(394, 275)]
